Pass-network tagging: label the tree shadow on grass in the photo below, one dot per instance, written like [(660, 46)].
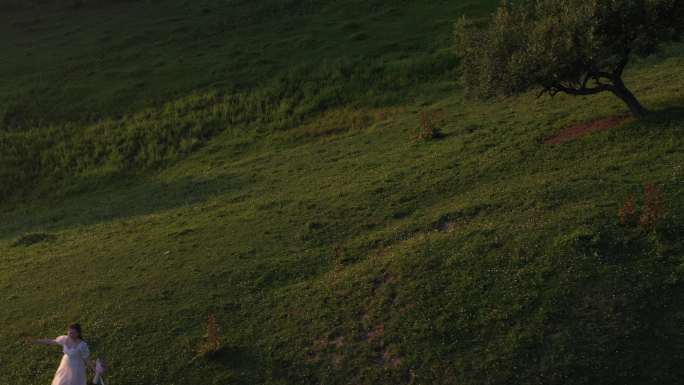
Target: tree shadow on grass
[(93, 200), (665, 116), (635, 289)]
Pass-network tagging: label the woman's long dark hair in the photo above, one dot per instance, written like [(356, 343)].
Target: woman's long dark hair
[(77, 327)]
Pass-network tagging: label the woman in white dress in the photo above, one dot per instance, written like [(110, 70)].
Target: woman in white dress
[(72, 369)]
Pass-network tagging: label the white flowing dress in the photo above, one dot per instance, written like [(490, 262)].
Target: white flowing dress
[(72, 369)]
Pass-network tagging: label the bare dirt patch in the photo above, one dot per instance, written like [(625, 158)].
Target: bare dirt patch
[(584, 129)]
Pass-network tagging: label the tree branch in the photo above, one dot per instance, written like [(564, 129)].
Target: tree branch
[(621, 65), (558, 87)]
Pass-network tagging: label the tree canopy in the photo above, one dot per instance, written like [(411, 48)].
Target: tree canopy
[(578, 47)]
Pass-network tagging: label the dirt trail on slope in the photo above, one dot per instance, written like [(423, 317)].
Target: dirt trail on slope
[(584, 129)]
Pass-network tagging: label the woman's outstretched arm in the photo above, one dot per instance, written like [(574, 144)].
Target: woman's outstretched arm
[(45, 342)]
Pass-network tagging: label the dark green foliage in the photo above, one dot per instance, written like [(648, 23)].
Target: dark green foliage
[(579, 47)]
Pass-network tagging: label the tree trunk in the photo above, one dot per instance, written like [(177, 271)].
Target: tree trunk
[(630, 100)]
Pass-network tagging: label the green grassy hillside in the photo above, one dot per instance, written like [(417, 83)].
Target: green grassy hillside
[(272, 177), (74, 77), (98, 61)]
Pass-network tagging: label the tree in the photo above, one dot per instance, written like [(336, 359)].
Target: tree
[(578, 47)]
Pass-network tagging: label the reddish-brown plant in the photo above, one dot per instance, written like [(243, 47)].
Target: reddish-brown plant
[(212, 333), (654, 206), (382, 115), (628, 211)]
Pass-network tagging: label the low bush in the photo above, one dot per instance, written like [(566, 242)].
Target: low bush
[(430, 125)]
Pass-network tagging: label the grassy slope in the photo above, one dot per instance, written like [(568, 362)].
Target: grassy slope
[(99, 61), (268, 65), (335, 255)]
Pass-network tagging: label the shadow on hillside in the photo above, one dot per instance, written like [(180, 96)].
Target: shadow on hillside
[(245, 365), (239, 364), (93, 200), (666, 115)]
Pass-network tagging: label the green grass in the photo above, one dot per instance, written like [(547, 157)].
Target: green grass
[(98, 61), (176, 73), (333, 247)]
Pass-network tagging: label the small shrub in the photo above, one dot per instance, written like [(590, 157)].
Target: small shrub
[(382, 115), (628, 212), (339, 257), (339, 252), (212, 332), (652, 212), (212, 346), (654, 207), (430, 125)]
